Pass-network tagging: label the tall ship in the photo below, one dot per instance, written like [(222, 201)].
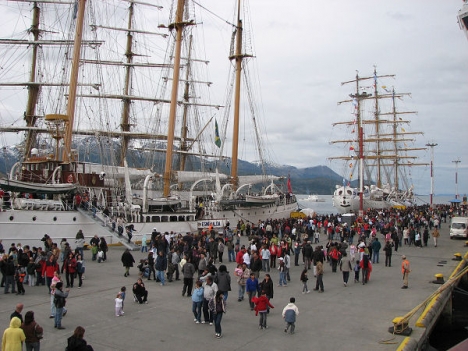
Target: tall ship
[(380, 149), (463, 17), (117, 122)]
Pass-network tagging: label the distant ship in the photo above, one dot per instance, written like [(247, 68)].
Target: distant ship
[(315, 198), (378, 150)]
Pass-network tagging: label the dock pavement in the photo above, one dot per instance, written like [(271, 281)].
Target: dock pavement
[(356, 317)]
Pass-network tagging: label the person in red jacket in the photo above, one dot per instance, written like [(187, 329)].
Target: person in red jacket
[(69, 266), (240, 255), (261, 307), (48, 269)]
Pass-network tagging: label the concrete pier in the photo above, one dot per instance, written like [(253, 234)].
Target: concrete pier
[(356, 317)]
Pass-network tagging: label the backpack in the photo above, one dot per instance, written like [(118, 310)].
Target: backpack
[(290, 316)]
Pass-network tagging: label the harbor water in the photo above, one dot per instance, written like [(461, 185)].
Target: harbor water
[(326, 207)]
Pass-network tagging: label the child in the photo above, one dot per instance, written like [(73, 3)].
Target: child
[(238, 271), (94, 251), (357, 268), (100, 255), (289, 314), (19, 277), (118, 305), (261, 307), (123, 290), (304, 279)]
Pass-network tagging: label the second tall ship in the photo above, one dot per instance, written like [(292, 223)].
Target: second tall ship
[(380, 149)]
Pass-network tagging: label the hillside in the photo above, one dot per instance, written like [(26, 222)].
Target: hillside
[(311, 180)]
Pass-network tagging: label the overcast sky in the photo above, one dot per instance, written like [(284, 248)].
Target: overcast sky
[(304, 49)]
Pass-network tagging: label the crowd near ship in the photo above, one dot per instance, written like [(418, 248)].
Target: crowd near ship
[(103, 83)]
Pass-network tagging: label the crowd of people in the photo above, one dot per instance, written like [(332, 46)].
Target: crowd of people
[(276, 245), (199, 260), (25, 266)]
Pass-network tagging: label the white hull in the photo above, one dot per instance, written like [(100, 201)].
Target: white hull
[(29, 226), (346, 200), (315, 198)]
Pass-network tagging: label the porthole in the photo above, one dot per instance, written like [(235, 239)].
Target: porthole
[(34, 218), (12, 218), (74, 219), (55, 219)]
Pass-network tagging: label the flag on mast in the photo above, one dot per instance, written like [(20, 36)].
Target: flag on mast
[(217, 138)]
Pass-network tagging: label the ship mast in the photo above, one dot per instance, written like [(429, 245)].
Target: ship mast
[(74, 80), (33, 91), (184, 131), (238, 57), (179, 26), (125, 126)]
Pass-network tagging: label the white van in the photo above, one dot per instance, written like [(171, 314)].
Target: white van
[(458, 227)]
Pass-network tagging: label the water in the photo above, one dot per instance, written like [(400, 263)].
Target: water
[(324, 208)]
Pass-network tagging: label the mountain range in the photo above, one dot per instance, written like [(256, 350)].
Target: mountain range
[(319, 180)]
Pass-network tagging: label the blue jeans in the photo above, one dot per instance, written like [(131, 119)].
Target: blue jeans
[(251, 294), (217, 322), (231, 256), (196, 309), (375, 256), (160, 275), (144, 248), (241, 291), (30, 346), (263, 319), (9, 280), (58, 316), (282, 279), (266, 265)]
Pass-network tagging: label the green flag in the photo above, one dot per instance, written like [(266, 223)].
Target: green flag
[(217, 139)]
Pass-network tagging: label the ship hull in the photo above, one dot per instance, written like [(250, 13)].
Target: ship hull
[(29, 226), (346, 200)]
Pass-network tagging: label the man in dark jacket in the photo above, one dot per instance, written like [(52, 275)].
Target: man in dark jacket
[(9, 275), (59, 301), (256, 265), (161, 266), (140, 292), (17, 312), (307, 254), (127, 261)]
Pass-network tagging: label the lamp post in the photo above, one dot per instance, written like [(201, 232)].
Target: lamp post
[(431, 145), (457, 161)]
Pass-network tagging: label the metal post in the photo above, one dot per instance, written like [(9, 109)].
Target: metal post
[(457, 161), (431, 145)]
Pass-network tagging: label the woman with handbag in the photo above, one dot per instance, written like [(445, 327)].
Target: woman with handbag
[(32, 331)]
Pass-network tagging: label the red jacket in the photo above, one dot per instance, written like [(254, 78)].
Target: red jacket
[(49, 268), (239, 257), (261, 303), (69, 265)]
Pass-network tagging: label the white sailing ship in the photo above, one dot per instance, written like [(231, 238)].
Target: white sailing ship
[(75, 91), (380, 151)]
